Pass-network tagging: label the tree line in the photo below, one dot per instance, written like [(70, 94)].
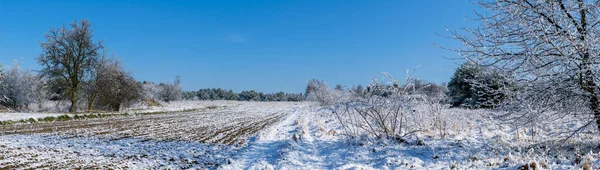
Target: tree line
[(471, 86), (251, 95), (318, 91), (77, 69)]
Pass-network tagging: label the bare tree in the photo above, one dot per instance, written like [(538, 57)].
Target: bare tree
[(68, 54), (98, 71), (116, 87), (553, 45)]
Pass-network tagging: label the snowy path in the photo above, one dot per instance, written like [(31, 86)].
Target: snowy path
[(272, 148), (305, 139), (300, 141)]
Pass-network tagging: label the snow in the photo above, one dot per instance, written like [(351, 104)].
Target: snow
[(92, 152), (50, 108), (304, 140), (283, 135), (181, 105)]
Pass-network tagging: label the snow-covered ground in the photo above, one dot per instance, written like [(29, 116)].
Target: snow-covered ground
[(53, 108), (181, 105), (285, 135), (204, 138), (57, 152), (310, 139)]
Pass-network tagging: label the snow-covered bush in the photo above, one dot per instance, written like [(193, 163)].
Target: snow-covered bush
[(391, 110), (164, 91), (171, 92), (151, 91), (475, 86), (375, 115), (318, 91)]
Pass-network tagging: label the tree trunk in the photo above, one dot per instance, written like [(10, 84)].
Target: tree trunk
[(115, 107), (91, 101), (590, 86), (595, 109), (591, 89), (73, 92)]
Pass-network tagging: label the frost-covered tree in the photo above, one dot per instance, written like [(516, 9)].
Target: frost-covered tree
[(2, 95), (67, 54), (554, 45), (358, 90), (317, 90), (40, 91), (338, 87), (460, 90), (1, 72), (232, 96), (171, 92), (18, 87), (476, 87), (151, 91), (163, 91), (221, 94), (432, 90), (249, 96)]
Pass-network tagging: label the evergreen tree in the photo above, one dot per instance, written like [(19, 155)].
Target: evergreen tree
[(475, 86), (339, 87)]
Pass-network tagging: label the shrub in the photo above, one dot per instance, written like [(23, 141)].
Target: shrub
[(477, 87), (389, 110), (48, 119), (63, 118)]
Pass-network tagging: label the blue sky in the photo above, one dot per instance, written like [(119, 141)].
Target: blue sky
[(265, 45)]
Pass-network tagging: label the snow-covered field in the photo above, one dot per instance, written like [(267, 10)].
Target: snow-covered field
[(181, 105), (52, 108), (311, 139), (202, 138), (282, 135)]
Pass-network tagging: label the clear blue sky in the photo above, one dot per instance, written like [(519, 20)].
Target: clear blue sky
[(269, 45)]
